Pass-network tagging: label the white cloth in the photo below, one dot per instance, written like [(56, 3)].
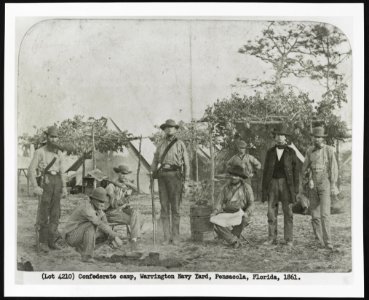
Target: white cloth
[(227, 219), (279, 153)]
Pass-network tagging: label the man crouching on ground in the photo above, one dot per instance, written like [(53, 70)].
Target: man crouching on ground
[(88, 225), (236, 198)]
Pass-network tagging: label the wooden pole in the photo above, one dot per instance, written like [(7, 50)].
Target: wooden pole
[(197, 163), (338, 162), (196, 154), (83, 175), (212, 170), (139, 165), (93, 152)]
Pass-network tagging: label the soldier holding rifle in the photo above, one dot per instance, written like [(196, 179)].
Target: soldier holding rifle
[(169, 166), (49, 160)]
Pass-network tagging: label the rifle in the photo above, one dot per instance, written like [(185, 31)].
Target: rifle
[(37, 225), (153, 207), (127, 183)]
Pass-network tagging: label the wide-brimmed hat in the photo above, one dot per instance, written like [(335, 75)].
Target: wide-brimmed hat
[(52, 130), (237, 170), (281, 129), (318, 132), (169, 123), (122, 169), (99, 194)]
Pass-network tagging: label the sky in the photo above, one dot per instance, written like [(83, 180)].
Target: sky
[(137, 72)]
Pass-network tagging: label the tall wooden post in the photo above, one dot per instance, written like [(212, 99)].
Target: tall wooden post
[(338, 162), (196, 162), (93, 152), (212, 166), (139, 165), (83, 174)]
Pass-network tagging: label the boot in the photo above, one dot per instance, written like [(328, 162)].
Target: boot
[(87, 259), (44, 247), (54, 246)]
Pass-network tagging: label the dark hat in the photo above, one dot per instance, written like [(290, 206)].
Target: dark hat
[(241, 144), (52, 130), (122, 169), (169, 123), (237, 170), (99, 194), (318, 132), (281, 129)]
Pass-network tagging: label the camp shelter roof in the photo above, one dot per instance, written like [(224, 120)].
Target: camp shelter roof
[(147, 150), (23, 162)]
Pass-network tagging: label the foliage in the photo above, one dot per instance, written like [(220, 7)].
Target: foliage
[(192, 134), (283, 46), (328, 48), (258, 114), (291, 49), (199, 193), (75, 136)]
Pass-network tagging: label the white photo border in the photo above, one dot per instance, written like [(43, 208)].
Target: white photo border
[(348, 17)]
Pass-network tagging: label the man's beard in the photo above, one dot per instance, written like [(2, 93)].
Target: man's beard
[(318, 145), (52, 146), (235, 182)]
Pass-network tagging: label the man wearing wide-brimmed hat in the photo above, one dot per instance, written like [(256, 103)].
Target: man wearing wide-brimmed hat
[(233, 207), (249, 163), (88, 226), (48, 159), (320, 160), (171, 164), (117, 207), (280, 184)]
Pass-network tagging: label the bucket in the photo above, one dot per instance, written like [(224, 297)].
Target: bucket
[(201, 228)]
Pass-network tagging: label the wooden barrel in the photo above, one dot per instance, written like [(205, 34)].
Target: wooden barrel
[(200, 222)]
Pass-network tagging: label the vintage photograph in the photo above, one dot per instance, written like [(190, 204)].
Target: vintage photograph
[(183, 145)]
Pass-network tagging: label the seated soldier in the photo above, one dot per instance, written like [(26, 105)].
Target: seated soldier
[(88, 226), (117, 207), (236, 200)]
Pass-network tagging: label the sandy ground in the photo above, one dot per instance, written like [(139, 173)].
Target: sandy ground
[(209, 256)]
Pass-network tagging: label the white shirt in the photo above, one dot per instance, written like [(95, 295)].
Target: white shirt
[(279, 153)]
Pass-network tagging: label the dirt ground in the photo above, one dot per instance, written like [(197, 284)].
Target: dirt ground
[(212, 255)]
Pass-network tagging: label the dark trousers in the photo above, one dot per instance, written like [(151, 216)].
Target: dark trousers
[(278, 191), (231, 234), (49, 210), (170, 193)]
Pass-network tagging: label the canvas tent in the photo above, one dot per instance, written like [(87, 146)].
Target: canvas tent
[(129, 157)]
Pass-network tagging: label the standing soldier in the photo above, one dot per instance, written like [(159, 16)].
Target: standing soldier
[(49, 160), (320, 162), (249, 163), (280, 183), (169, 165)]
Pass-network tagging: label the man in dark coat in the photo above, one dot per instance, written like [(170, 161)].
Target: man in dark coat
[(280, 183)]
